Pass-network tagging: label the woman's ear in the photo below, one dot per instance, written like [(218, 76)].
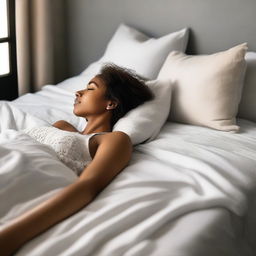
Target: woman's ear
[(111, 105)]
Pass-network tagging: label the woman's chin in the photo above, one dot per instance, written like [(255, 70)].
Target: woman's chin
[(75, 112)]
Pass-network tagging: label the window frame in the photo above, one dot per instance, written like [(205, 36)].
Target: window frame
[(9, 81)]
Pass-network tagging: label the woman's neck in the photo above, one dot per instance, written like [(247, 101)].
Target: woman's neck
[(99, 124)]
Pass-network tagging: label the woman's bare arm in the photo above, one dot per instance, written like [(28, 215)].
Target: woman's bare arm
[(112, 155)]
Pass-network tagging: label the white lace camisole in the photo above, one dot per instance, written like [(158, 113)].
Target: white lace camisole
[(72, 148)]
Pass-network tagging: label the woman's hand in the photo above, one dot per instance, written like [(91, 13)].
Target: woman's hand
[(8, 244), (40, 218)]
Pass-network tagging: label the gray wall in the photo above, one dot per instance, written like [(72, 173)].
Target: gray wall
[(215, 24)]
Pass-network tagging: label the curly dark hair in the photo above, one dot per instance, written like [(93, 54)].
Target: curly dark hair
[(126, 87)]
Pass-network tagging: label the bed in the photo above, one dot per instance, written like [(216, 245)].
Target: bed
[(189, 190)]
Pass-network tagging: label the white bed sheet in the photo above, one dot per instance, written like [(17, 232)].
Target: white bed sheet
[(54, 103), (188, 192)]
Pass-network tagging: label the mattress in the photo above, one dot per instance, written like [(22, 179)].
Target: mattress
[(190, 191)]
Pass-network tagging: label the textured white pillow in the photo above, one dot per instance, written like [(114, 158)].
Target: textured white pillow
[(132, 49), (206, 88), (247, 107), (144, 122)]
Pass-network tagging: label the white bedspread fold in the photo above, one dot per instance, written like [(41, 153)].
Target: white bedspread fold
[(185, 169)]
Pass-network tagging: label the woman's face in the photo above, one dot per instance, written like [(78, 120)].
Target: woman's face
[(91, 100)]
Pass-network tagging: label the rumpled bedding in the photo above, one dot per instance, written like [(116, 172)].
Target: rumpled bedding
[(188, 192)]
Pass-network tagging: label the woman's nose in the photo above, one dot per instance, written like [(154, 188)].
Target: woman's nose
[(78, 94)]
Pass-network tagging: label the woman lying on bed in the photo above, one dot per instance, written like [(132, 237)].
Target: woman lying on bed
[(107, 97)]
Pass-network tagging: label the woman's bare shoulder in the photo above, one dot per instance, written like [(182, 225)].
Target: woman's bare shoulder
[(116, 135), (64, 125), (110, 139), (116, 138)]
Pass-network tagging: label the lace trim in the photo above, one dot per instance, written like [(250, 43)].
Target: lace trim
[(71, 149)]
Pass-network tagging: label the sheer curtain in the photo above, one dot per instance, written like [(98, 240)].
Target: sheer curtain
[(40, 32)]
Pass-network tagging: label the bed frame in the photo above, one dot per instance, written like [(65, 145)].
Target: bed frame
[(214, 25)]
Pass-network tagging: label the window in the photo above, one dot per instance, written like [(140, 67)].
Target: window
[(8, 63)]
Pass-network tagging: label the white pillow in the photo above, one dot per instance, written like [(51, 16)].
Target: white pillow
[(206, 88), (144, 122), (247, 107), (132, 49), (79, 82)]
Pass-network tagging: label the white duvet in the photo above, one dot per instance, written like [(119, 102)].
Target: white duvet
[(188, 192)]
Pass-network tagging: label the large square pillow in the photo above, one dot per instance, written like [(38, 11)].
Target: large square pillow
[(247, 107), (133, 49), (206, 88), (144, 122)]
